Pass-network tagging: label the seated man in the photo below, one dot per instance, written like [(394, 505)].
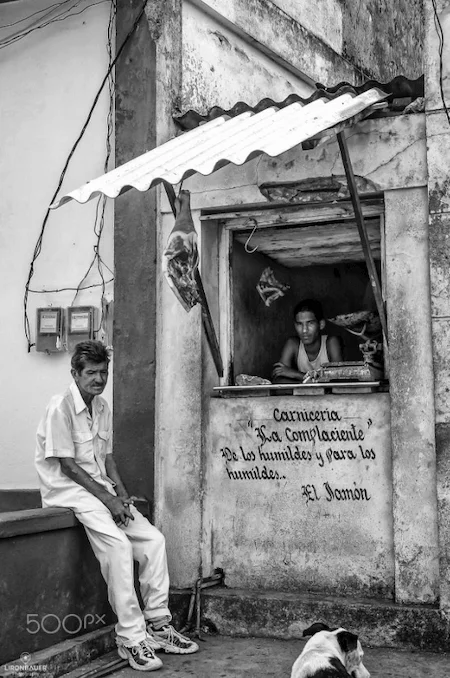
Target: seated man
[(77, 470), (304, 355)]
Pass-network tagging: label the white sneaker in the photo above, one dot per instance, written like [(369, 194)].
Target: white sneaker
[(140, 656), (170, 640)]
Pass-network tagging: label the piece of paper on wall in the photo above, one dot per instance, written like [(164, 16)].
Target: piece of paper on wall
[(269, 287), (180, 258)]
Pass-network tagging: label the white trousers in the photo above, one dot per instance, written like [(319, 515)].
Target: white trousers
[(116, 548)]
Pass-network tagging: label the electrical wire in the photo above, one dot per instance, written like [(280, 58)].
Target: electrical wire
[(63, 17), (440, 32), (30, 16), (38, 246), (71, 289), (99, 223), (20, 35)]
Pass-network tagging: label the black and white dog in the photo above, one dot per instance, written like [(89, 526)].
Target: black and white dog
[(330, 653)]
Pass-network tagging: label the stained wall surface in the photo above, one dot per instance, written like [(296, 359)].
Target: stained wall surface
[(298, 493)]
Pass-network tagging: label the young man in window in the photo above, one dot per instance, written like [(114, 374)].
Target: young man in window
[(304, 355), (77, 470)]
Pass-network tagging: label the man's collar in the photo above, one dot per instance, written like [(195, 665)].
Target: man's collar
[(79, 403)]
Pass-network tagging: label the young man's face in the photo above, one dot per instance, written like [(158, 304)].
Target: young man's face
[(308, 327), (92, 379)]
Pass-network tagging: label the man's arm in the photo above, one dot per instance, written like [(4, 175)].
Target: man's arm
[(113, 472), (119, 509), (283, 372), (335, 349)]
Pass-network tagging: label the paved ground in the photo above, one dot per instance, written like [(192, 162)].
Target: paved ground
[(224, 657)]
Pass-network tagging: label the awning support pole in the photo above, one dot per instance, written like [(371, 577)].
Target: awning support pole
[(373, 274), (206, 314)]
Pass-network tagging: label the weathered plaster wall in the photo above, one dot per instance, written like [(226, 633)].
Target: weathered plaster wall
[(220, 68), (390, 152), (329, 41), (135, 260), (438, 142), (413, 440), (319, 519), (279, 34), (51, 78), (324, 19), (384, 38)]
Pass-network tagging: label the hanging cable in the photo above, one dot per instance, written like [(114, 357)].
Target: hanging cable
[(38, 246), (440, 32), (30, 16), (66, 14), (99, 222)]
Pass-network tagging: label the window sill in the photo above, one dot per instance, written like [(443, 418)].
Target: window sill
[(324, 388)]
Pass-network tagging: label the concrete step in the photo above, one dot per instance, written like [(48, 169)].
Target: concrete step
[(273, 614), (79, 651), (63, 657)]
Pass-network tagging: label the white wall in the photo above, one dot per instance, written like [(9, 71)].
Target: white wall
[(48, 81)]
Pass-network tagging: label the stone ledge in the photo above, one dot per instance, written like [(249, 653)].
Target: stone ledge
[(32, 521), (273, 614)]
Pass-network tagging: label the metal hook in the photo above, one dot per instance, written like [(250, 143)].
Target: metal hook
[(251, 221)]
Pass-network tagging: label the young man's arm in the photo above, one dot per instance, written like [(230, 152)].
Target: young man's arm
[(119, 509), (335, 349), (283, 372)]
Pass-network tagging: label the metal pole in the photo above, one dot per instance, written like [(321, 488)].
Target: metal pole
[(373, 274)]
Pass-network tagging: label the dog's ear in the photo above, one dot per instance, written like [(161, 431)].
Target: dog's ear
[(348, 642), (315, 628)]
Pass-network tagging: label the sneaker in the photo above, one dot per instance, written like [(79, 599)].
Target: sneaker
[(170, 640), (140, 656)]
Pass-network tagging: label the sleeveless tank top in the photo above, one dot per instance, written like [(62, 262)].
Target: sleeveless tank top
[(304, 364)]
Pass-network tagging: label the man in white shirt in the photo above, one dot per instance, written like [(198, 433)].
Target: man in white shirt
[(77, 470)]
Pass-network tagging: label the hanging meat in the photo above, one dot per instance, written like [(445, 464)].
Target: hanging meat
[(180, 258)]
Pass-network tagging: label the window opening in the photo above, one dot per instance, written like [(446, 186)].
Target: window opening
[(313, 258)]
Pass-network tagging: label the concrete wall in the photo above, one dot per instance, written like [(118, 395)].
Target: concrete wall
[(134, 260), (52, 587), (438, 140), (50, 77), (181, 77), (328, 41), (385, 38), (318, 519), (391, 153)]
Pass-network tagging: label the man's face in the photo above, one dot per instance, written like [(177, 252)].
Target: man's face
[(307, 327), (92, 379)]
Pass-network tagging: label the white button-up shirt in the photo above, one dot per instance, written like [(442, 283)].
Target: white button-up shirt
[(68, 430)]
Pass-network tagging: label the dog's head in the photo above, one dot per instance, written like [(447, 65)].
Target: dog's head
[(346, 644)]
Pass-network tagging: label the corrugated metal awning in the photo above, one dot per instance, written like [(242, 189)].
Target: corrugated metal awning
[(231, 140)]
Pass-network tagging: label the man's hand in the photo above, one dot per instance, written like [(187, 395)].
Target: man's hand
[(119, 510), (280, 370)]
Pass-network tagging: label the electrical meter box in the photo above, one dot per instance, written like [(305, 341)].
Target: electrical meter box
[(79, 325), (49, 329)]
